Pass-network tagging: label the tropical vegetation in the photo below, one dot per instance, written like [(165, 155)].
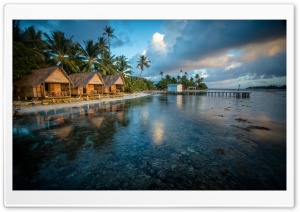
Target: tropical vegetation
[(184, 80), (34, 49), (268, 87)]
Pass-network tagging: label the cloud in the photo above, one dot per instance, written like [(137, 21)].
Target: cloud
[(228, 49), (144, 52), (157, 43), (263, 68), (121, 39), (268, 48), (173, 29)]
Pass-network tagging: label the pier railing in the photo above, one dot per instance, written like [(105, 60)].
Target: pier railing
[(237, 94)]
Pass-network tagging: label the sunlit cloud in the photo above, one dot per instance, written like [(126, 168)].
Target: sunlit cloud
[(232, 65), (269, 48), (157, 43), (144, 52)]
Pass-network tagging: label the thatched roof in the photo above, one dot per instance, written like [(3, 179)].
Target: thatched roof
[(82, 79), (111, 79), (38, 76)]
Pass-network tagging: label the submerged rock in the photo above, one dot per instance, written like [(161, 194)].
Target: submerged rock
[(152, 172), (161, 174), (190, 150), (258, 128), (243, 120), (183, 152), (219, 151)]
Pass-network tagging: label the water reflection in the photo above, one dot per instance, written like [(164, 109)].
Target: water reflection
[(158, 132), (153, 143), (63, 132), (179, 101)]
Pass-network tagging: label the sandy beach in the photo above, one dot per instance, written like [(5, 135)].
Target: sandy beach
[(36, 108)]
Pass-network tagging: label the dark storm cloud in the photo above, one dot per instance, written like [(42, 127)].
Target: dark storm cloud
[(193, 41), (200, 38), (121, 39), (263, 68)]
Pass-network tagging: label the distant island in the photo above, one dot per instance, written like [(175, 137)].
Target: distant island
[(268, 87)]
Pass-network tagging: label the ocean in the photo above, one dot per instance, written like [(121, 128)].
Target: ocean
[(157, 142)]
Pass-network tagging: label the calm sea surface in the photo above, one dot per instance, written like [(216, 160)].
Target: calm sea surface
[(158, 142)]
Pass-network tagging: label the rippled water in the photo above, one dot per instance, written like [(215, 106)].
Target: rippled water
[(158, 142)]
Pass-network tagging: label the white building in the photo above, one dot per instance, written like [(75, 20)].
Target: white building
[(174, 87)]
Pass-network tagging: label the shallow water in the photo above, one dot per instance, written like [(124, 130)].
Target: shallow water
[(158, 142)]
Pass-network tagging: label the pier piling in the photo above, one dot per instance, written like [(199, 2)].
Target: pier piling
[(237, 94)]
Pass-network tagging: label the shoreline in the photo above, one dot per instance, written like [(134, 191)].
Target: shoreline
[(21, 110)]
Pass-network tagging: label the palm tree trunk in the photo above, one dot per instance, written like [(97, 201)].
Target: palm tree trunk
[(137, 78)]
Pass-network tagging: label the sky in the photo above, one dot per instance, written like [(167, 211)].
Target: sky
[(226, 53)]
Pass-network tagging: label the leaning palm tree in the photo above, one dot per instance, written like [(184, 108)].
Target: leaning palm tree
[(110, 34), (59, 51), (88, 56), (143, 62)]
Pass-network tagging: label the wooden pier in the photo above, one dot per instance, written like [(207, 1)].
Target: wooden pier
[(237, 94)]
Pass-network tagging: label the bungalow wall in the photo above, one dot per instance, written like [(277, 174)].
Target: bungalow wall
[(53, 88), (30, 91), (77, 91), (113, 88), (95, 89), (99, 88), (89, 88), (174, 88)]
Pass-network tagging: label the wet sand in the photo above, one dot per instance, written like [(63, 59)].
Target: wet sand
[(36, 108)]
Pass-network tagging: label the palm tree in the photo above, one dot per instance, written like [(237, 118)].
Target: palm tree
[(178, 78), (33, 39), (161, 74), (143, 62), (110, 34), (102, 45), (88, 55), (59, 50), (17, 31), (122, 66), (197, 77), (106, 64)]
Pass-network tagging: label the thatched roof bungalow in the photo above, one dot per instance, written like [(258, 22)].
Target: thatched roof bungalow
[(44, 82), (87, 83), (114, 83)]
